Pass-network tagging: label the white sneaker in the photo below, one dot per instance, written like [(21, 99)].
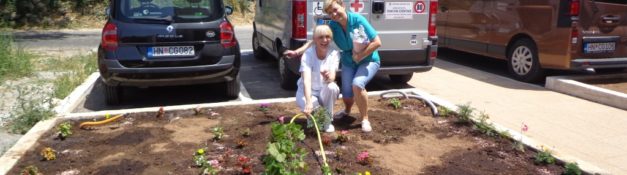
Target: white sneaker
[(329, 128), (365, 126), (340, 115)]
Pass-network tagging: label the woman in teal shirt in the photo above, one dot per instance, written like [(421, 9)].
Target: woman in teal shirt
[(358, 42)]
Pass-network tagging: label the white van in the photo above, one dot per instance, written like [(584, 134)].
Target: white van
[(406, 27)]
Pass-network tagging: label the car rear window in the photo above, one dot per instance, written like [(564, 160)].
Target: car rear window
[(171, 11), (613, 1)]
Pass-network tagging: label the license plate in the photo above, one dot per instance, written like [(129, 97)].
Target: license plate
[(170, 51), (599, 47)]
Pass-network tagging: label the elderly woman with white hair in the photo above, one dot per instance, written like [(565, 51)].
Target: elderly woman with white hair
[(318, 65)]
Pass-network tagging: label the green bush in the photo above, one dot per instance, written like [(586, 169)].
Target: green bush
[(544, 157), (464, 113), (572, 169)]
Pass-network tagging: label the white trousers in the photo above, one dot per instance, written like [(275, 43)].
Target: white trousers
[(325, 97)]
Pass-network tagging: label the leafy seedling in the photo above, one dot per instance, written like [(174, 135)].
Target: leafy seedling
[(544, 157), (395, 102), (218, 133), (48, 154), (65, 130)]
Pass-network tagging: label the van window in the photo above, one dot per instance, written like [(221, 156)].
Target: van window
[(613, 1), (179, 11)]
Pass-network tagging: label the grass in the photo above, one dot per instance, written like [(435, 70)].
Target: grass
[(30, 110), (14, 61), (77, 68)]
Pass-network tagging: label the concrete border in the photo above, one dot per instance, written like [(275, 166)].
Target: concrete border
[(70, 102), (573, 85), (11, 157)]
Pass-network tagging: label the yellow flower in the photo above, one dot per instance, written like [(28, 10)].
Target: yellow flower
[(107, 116), (200, 151), (367, 173)]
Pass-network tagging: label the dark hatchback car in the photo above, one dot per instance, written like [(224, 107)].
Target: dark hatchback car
[(148, 43)]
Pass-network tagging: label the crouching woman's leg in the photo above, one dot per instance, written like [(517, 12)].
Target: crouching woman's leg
[(328, 96)]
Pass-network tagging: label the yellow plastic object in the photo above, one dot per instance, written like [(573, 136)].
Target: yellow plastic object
[(84, 125), (324, 157)]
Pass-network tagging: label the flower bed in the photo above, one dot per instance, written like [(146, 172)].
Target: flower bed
[(250, 139)]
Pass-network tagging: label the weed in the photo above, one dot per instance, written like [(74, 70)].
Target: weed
[(65, 130), (48, 154), (31, 170), (504, 134), (80, 67), (572, 169), (484, 126), (218, 133), (464, 112), (29, 111), (395, 102), (544, 157), (444, 112), (14, 61)]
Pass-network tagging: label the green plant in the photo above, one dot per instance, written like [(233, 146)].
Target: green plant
[(484, 126), (444, 112), (65, 130), (48, 154), (80, 67), (572, 169), (14, 61), (283, 156), (30, 170), (199, 158), (30, 109), (264, 107), (321, 116), (395, 102), (544, 157), (246, 132), (218, 133), (464, 113), (342, 137)]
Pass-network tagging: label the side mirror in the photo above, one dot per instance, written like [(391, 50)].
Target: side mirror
[(228, 10)]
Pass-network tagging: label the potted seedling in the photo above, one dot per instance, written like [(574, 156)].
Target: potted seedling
[(65, 130), (218, 133), (48, 154), (395, 103)]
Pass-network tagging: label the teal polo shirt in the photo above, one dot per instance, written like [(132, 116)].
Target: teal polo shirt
[(344, 42)]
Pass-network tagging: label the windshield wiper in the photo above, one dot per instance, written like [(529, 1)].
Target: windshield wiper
[(167, 20)]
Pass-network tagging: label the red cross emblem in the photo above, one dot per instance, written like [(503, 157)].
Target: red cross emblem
[(357, 6)]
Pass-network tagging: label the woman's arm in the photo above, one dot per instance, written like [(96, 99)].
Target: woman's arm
[(297, 52), (307, 88), (372, 46)]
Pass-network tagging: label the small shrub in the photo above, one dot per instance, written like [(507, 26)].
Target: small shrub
[(65, 130), (444, 112), (322, 116), (544, 157), (572, 169), (48, 154), (484, 126), (218, 133), (395, 102), (464, 112)]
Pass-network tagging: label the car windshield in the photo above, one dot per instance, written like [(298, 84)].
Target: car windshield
[(168, 11)]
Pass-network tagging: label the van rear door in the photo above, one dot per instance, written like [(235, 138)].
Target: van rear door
[(604, 28), (401, 25)]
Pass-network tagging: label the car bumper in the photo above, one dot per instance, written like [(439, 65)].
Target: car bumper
[(407, 61), (598, 63), (117, 74)]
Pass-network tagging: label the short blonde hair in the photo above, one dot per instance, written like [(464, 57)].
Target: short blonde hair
[(328, 3), (322, 30)]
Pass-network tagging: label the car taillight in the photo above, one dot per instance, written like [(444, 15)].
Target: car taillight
[(433, 10), (299, 18), (110, 37), (574, 35), (227, 36), (574, 8)]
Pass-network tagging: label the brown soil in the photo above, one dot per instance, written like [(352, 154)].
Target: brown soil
[(403, 142), (616, 84)]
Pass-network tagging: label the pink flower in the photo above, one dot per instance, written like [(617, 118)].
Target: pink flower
[(524, 127), (214, 163), (282, 119), (344, 132), (363, 156)]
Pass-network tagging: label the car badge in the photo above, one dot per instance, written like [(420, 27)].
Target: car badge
[(211, 34), (169, 28)]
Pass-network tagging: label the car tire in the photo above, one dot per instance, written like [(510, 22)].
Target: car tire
[(522, 61), (113, 94), (288, 78), (402, 78), (608, 70), (233, 87), (258, 51)]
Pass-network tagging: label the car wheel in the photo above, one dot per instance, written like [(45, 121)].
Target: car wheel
[(608, 70), (112, 94), (288, 79), (523, 62), (233, 87), (258, 51), (403, 78)]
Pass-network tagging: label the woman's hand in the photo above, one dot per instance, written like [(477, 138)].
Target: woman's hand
[(290, 53), (357, 57), (308, 108)]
